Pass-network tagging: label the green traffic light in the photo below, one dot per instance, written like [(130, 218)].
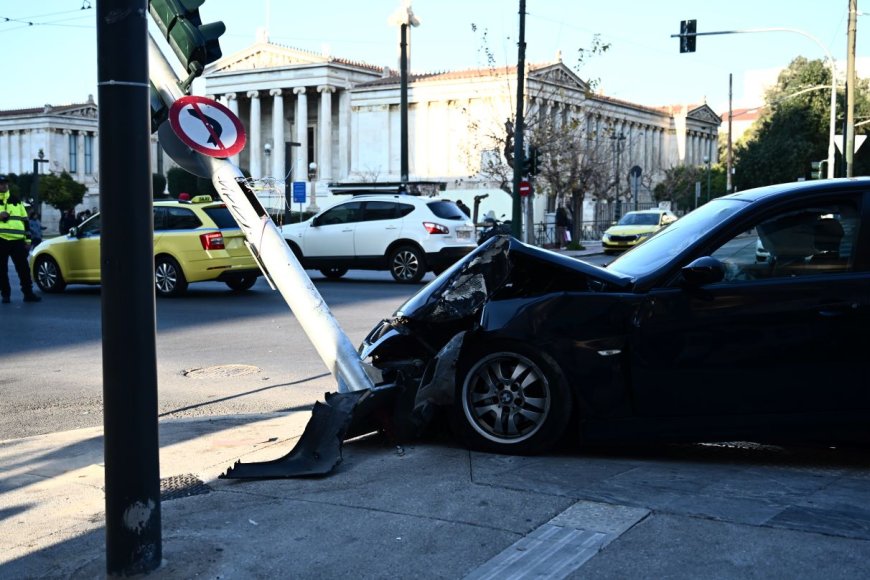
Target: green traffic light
[(194, 43)]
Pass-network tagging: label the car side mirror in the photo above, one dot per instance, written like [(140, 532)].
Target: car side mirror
[(315, 222), (74, 232), (706, 270)]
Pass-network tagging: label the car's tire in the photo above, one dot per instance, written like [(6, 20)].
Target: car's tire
[(169, 279), (47, 275), (242, 283), (407, 264), (333, 273), (510, 399)]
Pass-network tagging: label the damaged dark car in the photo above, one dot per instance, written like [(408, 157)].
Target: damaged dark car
[(687, 337)]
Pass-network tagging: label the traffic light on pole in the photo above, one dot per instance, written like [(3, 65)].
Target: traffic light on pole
[(194, 43), (534, 158), (688, 28), (817, 170)]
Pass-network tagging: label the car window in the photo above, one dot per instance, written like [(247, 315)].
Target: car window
[(90, 227), (818, 239), (176, 218), (447, 210), (404, 209), (379, 210), (345, 213), (221, 216)]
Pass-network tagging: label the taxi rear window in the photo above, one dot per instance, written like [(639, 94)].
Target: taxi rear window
[(221, 216)]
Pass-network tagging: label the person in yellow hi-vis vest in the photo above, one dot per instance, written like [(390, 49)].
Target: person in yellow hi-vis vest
[(14, 243)]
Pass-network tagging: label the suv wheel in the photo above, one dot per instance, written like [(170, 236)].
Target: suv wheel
[(407, 264), (333, 273), (168, 277)]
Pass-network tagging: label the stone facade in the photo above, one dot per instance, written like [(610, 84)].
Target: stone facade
[(345, 118)]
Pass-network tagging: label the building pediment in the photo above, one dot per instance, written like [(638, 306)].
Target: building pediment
[(84, 112), (705, 114), (558, 74), (266, 55)]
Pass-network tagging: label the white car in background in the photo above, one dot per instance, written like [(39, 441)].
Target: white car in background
[(405, 234)]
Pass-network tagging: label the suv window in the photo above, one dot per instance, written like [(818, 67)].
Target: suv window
[(175, 218), (447, 210), (345, 213), (221, 216), (379, 210), (405, 209)]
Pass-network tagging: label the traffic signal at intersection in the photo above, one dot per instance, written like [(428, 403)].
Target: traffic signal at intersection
[(194, 43), (688, 28)]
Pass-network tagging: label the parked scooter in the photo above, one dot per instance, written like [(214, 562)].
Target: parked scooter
[(493, 227)]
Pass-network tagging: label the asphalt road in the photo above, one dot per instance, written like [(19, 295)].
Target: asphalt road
[(218, 352)]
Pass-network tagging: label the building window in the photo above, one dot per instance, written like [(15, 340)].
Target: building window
[(73, 153), (89, 154)]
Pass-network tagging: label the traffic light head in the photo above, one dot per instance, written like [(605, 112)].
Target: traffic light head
[(816, 172), (688, 28), (534, 160), (194, 43)]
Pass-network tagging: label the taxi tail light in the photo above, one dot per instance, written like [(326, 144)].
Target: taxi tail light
[(212, 241), (434, 228)]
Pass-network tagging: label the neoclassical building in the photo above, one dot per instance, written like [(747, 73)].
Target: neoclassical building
[(53, 139), (303, 110)]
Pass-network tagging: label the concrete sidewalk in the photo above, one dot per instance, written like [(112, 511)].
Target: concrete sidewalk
[(433, 510)]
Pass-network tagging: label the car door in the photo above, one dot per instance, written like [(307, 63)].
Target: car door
[(379, 227), (764, 340), (330, 234), (82, 255)]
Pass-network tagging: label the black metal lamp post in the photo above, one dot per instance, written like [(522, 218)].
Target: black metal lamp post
[(34, 186)]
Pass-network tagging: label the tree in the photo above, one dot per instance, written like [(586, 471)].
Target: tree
[(158, 185), (61, 191), (181, 181), (794, 128)]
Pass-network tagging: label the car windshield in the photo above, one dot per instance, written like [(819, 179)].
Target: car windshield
[(639, 219), (447, 210), (671, 241)]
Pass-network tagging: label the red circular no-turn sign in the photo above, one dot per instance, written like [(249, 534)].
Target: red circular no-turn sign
[(206, 126), (525, 188)]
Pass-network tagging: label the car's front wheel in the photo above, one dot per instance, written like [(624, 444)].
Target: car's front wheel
[(168, 277), (333, 273), (407, 264), (510, 399), (48, 275), (242, 283)]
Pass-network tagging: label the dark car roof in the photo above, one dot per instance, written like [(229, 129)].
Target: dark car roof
[(787, 189)]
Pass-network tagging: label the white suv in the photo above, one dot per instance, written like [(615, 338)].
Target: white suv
[(405, 234)]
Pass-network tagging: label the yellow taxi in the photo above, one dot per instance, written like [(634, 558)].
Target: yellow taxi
[(634, 228), (195, 240)]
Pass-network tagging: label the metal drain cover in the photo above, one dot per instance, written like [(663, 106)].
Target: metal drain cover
[(221, 371), (179, 486)]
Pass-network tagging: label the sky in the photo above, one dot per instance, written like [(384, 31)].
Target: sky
[(50, 45)]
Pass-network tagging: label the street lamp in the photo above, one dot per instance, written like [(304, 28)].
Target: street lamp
[(404, 17), (707, 163), (34, 185), (312, 177)]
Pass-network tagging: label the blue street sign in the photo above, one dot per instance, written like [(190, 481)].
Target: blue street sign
[(298, 192)]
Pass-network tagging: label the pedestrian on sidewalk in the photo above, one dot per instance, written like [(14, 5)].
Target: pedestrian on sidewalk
[(563, 223), (14, 243)]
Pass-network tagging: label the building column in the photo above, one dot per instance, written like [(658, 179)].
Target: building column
[(300, 167), (344, 135), (324, 129), (254, 145), (233, 105), (80, 154), (278, 170)]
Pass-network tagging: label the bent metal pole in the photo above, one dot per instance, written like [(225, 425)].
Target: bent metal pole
[(271, 251)]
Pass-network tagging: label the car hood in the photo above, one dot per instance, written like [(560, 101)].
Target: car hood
[(630, 230), (297, 228), (504, 268)]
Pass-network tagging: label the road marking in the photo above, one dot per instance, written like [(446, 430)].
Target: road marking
[(562, 545)]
